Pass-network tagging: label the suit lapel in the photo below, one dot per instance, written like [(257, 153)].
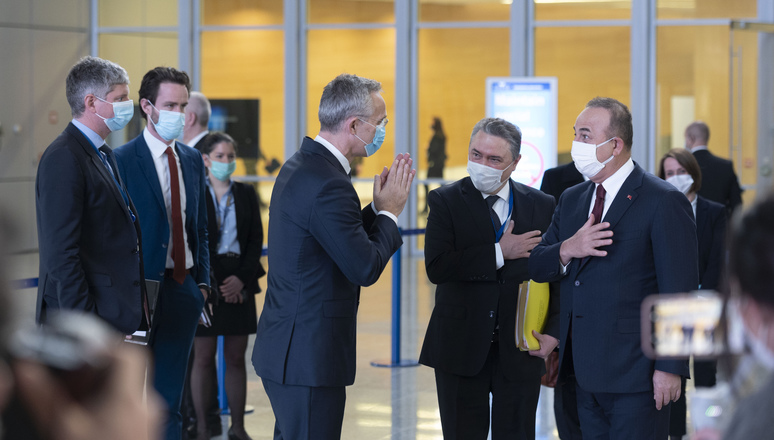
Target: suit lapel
[(626, 196), (701, 216), (478, 209), (98, 165), (148, 168), (187, 169), (523, 209), (579, 216)]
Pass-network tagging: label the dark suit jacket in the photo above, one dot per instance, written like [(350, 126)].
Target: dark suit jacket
[(556, 180), (249, 233), (654, 250), (89, 259), (711, 234), (460, 259), (139, 174), (322, 249), (718, 180)]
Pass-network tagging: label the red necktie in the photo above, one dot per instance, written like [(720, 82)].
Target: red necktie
[(599, 204), (178, 244)]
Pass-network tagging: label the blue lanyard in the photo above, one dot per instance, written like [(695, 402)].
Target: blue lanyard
[(499, 233)]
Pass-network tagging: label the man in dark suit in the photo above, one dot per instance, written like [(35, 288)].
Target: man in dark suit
[(480, 232), (558, 179), (87, 233), (646, 244), (719, 181), (555, 182), (323, 248), (167, 180)]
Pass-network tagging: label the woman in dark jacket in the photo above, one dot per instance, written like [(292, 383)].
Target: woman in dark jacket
[(680, 168), (236, 239)]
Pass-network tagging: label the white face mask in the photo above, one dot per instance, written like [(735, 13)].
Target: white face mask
[(585, 158), (485, 179), (683, 182)]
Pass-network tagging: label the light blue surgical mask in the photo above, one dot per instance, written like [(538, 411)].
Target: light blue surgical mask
[(170, 125), (222, 171), (122, 114), (378, 139)]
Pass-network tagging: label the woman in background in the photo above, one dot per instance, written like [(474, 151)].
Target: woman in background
[(680, 168), (235, 240)]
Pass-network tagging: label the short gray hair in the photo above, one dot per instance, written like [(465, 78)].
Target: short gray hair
[(502, 129), (92, 75), (199, 105), (346, 96)]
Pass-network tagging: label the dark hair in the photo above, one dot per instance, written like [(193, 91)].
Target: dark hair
[(620, 119), (149, 88), (438, 128), (686, 160), (751, 250), (213, 138), (502, 129)]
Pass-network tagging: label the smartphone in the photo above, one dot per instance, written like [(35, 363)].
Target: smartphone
[(678, 326)]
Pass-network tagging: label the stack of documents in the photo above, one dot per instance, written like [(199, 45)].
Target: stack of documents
[(531, 314)]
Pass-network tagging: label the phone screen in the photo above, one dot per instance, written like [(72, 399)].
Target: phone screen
[(683, 325)]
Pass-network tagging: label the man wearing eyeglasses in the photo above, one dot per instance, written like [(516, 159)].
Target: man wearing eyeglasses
[(323, 248)]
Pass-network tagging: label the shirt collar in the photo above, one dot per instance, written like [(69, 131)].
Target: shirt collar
[(197, 138), (335, 151), (504, 192), (700, 147), (157, 148), (95, 139), (614, 183)]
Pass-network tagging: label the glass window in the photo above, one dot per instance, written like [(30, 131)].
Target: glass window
[(452, 70), (464, 10), (137, 13), (367, 53), (351, 11), (706, 9), (138, 53), (242, 12), (583, 10), (588, 62), (243, 65)]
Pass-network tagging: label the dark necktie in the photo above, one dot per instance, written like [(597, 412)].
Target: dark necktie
[(599, 204), (178, 244), (496, 222), (110, 164)]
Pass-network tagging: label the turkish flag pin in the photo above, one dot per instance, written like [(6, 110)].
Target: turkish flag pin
[(629, 197)]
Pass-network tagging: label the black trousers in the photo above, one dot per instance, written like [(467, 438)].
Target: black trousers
[(464, 403)]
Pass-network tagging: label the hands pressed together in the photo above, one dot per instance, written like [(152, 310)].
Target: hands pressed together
[(392, 186)]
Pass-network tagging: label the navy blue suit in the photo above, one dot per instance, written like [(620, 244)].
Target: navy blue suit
[(89, 255), (322, 248), (179, 306), (654, 250)]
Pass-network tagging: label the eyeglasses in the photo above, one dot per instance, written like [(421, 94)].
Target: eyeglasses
[(381, 124)]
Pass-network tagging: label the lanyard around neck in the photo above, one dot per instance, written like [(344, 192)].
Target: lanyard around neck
[(499, 232)]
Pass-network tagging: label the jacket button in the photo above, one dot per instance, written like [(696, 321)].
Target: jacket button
[(136, 283), (161, 274), (577, 283), (164, 245)]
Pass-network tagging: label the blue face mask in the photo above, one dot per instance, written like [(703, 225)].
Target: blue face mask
[(222, 171), (170, 125), (378, 139), (122, 114)]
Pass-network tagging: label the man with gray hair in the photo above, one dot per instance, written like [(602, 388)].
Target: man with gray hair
[(197, 117), (480, 232), (323, 248), (88, 236)]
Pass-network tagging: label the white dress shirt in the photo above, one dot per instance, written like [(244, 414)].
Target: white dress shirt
[(157, 149)]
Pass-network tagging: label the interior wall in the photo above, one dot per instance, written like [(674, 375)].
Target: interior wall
[(41, 42)]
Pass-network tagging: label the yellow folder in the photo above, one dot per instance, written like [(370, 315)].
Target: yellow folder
[(531, 313)]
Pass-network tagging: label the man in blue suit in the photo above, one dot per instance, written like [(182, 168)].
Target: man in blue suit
[(167, 180), (87, 233), (323, 247), (645, 244)]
